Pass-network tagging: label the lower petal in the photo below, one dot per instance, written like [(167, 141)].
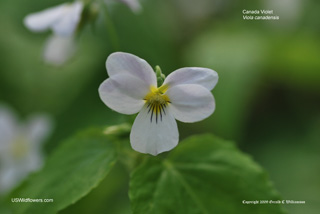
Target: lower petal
[(154, 135), (190, 102), (9, 178), (58, 50)]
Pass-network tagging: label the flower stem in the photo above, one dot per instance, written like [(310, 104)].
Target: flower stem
[(110, 27)]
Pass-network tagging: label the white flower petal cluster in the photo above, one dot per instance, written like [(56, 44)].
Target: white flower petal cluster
[(132, 87), (63, 20), (20, 147)]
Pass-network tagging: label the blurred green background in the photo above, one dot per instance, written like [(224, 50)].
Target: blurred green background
[(267, 98)]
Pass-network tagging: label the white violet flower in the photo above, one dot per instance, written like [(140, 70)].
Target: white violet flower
[(20, 147), (132, 87), (63, 20)]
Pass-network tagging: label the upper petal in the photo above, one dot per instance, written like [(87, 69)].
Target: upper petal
[(41, 21), (69, 20), (124, 93), (121, 63), (63, 19), (191, 102), (193, 75), (153, 137)]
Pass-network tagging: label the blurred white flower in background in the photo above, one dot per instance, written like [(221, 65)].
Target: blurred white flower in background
[(132, 87), (63, 20), (20, 146)]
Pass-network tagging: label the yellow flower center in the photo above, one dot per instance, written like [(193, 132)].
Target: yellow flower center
[(157, 101)]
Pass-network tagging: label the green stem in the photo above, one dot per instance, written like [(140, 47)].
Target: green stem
[(110, 27), (119, 135)]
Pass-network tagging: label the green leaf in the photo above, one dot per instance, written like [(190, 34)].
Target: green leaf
[(110, 197), (70, 173), (204, 174)]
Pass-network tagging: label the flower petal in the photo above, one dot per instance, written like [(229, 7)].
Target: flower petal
[(124, 93), (70, 18), (38, 128), (193, 75), (154, 137), (122, 63), (41, 21), (9, 177), (58, 50), (190, 102), (63, 19)]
